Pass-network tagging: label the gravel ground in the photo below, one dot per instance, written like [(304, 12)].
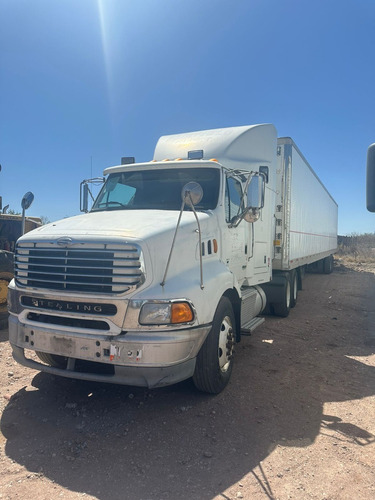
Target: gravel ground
[(296, 421)]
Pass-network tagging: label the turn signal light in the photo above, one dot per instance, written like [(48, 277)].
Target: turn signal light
[(181, 312)]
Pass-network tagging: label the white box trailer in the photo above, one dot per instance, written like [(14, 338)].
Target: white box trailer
[(305, 212), (176, 259)]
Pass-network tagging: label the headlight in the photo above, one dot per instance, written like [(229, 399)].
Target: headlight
[(163, 313)]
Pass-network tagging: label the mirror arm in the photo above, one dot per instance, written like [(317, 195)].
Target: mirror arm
[(200, 244), (187, 194), (237, 219), (173, 242)]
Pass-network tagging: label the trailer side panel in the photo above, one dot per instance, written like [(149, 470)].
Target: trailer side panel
[(306, 212)]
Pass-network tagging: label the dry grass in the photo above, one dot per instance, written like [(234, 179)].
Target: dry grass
[(357, 248), (357, 251)]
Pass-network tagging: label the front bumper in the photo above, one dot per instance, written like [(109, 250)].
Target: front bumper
[(147, 359)]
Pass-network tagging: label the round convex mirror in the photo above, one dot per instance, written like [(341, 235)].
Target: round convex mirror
[(192, 193)]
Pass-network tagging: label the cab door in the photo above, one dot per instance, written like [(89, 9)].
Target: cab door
[(236, 239)]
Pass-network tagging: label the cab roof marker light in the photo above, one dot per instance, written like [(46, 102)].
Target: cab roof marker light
[(214, 159), (196, 154), (127, 160)]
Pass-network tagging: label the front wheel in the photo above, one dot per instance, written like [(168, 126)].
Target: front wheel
[(52, 359), (215, 359)]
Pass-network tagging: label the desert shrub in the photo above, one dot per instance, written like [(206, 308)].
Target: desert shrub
[(357, 247)]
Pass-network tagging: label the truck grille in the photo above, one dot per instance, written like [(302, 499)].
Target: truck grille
[(86, 267)]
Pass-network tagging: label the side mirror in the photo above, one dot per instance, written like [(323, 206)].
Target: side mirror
[(27, 200), (85, 192), (255, 193), (25, 204), (370, 180), (84, 197)]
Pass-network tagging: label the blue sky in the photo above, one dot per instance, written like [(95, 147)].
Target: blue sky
[(85, 82)]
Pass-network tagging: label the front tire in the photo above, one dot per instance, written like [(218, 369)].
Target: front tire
[(215, 359), (52, 359)]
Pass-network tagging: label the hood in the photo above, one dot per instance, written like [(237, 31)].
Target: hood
[(137, 224), (152, 230)]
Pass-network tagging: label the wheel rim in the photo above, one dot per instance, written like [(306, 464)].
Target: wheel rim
[(287, 294), (226, 343), (295, 288)]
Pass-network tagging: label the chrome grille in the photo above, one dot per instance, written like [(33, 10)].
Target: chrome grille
[(84, 267)]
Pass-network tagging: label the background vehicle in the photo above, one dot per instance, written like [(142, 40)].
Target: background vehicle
[(11, 228), (176, 259)]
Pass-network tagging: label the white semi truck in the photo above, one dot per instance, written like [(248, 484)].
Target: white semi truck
[(175, 260)]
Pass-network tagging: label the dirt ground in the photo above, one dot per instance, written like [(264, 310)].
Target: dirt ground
[(296, 421)]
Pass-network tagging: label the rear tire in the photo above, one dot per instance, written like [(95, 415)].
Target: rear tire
[(301, 274), (328, 264), (282, 308), (294, 288), (215, 359), (52, 359)]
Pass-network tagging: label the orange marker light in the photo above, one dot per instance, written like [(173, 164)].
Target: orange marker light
[(215, 245), (213, 159), (181, 312)]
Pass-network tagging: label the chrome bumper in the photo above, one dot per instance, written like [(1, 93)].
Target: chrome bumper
[(150, 359)]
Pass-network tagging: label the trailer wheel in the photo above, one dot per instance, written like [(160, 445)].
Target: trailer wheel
[(52, 359), (328, 264), (215, 359), (282, 307), (301, 271), (294, 288)]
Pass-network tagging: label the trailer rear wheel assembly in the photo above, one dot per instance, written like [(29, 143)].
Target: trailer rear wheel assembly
[(294, 288), (282, 307), (215, 359), (328, 264)]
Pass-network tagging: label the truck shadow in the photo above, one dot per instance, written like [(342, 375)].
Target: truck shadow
[(4, 334), (122, 442)]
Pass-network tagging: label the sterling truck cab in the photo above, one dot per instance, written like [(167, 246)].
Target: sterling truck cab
[(157, 281)]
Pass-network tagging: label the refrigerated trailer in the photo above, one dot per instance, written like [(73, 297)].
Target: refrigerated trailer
[(177, 258)]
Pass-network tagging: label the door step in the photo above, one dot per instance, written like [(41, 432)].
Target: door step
[(249, 327)]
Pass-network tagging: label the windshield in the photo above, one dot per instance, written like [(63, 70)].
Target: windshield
[(156, 189)]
